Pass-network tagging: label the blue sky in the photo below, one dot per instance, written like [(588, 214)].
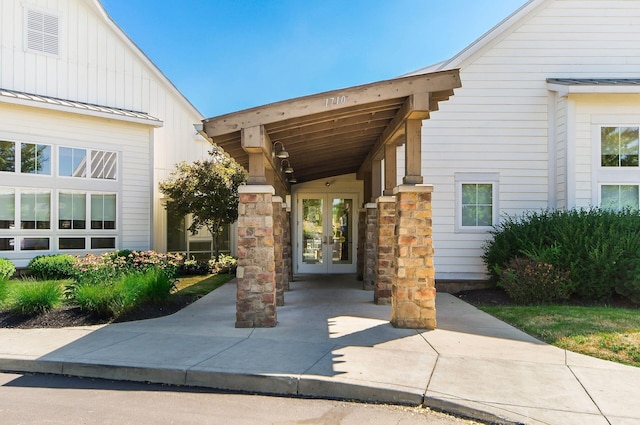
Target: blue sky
[(228, 55)]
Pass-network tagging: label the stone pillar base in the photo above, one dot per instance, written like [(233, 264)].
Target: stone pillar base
[(385, 249), (256, 290), (413, 291), (370, 246)]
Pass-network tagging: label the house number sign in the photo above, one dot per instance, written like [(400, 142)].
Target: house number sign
[(335, 100)]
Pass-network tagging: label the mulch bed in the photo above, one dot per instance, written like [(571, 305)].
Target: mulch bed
[(73, 316)]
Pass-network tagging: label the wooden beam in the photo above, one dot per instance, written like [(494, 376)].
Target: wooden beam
[(332, 101), (413, 152), (396, 126), (376, 180), (390, 169)]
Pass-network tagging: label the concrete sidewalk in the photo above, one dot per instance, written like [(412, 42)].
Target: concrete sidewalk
[(333, 342)]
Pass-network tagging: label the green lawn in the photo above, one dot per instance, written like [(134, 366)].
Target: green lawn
[(605, 332), (201, 285)]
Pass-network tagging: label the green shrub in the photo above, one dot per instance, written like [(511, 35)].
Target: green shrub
[(94, 298), (597, 246), (630, 287), (124, 294), (530, 281), (7, 269), (58, 266), (224, 264), (34, 297)]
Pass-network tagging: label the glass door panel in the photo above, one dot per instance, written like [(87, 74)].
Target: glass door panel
[(326, 233), (312, 231), (341, 231)]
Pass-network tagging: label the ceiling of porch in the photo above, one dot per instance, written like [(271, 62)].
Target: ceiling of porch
[(336, 132)]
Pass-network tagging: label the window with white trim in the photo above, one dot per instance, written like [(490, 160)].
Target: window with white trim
[(618, 197), (7, 156), (72, 210), (103, 211), (42, 32), (72, 162), (104, 165), (35, 209), (35, 159), (476, 201), (617, 167), (7, 208)]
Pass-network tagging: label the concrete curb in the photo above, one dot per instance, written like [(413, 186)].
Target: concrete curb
[(278, 385)]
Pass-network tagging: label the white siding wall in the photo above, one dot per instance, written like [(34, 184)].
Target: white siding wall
[(130, 141), (98, 65), (497, 122), (592, 111)]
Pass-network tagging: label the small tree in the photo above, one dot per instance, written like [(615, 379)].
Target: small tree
[(208, 190)]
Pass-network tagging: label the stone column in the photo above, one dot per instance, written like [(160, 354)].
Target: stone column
[(370, 246), (362, 230), (256, 293), (414, 292), (385, 249), (278, 248), (288, 251)]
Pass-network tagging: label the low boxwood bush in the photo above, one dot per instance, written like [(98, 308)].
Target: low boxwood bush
[(7, 269), (600, 249), (35, 297), (58, 266)]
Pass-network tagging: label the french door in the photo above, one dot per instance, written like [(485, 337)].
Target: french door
[(326, 233)]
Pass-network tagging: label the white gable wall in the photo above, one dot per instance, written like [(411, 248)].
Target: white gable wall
[(98, 64), (498, 121)]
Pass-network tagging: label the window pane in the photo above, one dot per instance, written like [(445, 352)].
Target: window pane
[(96, 211), (176, 234), (618, 197), (35, 244), (469, 194), (73, 162), (200, 246), (71, 243), (103, 243), (7, 244), (35, 210), (7, 209), (609, 137), (469, 213), (477, 204), (609, 197), (485, 194), (485, 214), (7, 156), (109, 211), (629, 146), (629, 197), (103, 165), (35, 159), (72, 210)]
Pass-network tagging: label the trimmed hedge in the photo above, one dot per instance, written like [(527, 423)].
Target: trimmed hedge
[(59, 266), (599, 250)]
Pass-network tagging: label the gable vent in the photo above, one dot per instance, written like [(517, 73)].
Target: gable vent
[(42, 32)]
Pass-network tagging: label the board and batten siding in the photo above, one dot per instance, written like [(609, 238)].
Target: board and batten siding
[(98, 64), (498, 121), (129, 140)]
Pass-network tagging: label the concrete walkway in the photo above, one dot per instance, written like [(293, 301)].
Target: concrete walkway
[(333, 342)]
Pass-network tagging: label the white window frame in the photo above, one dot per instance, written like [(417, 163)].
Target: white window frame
[(610, 175), (59, 162), (600, 184), (476, 178)]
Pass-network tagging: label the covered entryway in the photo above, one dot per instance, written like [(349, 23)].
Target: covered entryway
[(348, 131)]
